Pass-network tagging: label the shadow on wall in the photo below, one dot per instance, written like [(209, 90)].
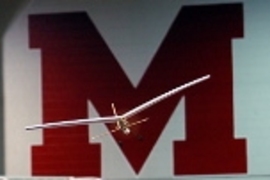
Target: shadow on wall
[(8, 10)]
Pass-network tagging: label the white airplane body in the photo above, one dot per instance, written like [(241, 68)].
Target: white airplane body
[(120, 120)]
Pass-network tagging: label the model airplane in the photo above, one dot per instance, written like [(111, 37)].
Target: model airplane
[(122, 123)]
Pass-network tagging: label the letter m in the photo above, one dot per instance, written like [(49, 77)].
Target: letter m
[(78, 66)]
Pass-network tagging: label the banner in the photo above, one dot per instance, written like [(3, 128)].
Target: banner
[(66, 61)]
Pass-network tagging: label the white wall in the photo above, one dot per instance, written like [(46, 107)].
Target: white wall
[(22, 81)]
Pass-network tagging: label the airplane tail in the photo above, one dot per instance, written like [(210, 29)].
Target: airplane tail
[(121, 125), (114, 109)]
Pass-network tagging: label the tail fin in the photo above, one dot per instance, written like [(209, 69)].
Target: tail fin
[(114, 109), (118, 125)]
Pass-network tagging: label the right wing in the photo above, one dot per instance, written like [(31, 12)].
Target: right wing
[(163, 96), (108, 119)]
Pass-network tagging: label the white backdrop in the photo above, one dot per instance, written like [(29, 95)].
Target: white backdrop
[(22, 81)]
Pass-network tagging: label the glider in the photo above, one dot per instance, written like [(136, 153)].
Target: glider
[(121, 121)]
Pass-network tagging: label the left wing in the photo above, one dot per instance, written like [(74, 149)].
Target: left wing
[(108, 119)]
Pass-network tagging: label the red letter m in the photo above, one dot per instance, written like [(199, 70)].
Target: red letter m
[(78, 66)]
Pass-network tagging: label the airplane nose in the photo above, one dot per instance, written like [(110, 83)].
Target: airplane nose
[(126, 131)]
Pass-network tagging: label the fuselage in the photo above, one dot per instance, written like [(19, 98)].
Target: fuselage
[(123, 125)]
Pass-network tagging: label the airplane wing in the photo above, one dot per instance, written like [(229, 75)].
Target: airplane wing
[(163, 96), (113, 119), (108, 119)]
